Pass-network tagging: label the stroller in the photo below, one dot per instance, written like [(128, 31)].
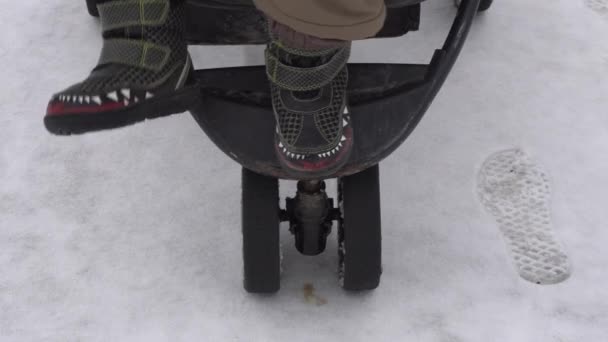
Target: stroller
[(387, 99)]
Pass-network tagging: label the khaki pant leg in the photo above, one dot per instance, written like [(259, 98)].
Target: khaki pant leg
[(329, 19)]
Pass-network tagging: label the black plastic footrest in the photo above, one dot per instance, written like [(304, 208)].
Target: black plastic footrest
[(240, 23)]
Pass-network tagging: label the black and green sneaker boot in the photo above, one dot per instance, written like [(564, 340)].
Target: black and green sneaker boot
[(314, 135), (144, 70)]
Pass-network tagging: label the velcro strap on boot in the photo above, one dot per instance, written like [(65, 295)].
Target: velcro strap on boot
[(305, 79), (136, 53), (127, 13)]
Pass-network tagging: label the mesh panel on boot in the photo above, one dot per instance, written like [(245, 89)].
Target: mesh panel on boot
[(290, 123), (328, 119), (170, 34), (328, 122)]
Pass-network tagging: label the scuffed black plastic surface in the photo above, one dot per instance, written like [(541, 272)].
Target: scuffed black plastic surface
[(237, 116), (238, 22), (387, 101)]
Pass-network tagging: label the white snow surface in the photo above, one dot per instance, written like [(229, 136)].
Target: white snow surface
[(134, 234)]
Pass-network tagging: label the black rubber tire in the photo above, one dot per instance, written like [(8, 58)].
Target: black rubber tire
[(359, 230), (92, 8), (260, 223), (485, 5)]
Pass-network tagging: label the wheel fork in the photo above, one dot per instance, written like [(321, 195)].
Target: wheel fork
[(310, 214)]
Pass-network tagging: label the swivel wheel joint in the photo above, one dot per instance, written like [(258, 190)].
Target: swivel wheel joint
[(310, 217)]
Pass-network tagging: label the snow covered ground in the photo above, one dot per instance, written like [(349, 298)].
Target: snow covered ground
[(133, 234)]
